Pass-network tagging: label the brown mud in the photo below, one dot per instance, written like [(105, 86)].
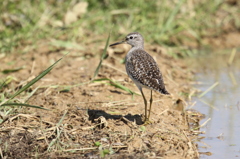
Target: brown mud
[(90, 120)]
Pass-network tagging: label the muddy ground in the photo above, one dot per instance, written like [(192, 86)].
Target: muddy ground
[(94, 119)]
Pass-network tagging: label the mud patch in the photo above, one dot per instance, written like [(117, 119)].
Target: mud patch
[(96, 119)]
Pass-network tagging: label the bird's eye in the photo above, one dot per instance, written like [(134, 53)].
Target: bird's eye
[(131, 37)]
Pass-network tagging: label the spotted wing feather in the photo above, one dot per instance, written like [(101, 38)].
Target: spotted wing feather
[(142, 68)]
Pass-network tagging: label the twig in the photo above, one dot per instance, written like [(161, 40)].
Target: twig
[(203, 124), (231, 58), (33, 66), (164, 111), (233, 79), (192, 105), (208, 104), (1, 154), (193, 146), (92, 148), (210, 88)]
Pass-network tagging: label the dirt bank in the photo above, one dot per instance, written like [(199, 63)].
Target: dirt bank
[(94, 119)]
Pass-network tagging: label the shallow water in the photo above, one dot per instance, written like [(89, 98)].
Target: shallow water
[(221, 105)]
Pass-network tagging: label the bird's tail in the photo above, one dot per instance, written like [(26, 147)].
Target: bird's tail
[(164, 91)]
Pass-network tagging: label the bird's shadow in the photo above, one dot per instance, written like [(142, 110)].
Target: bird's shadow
[(95, 114)]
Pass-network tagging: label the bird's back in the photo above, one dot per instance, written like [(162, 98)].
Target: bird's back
[(144, 71)]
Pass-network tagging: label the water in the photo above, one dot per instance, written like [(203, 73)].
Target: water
[(222, 136)]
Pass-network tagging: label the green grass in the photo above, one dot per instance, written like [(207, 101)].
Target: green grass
[(170, 23), (7, 101)]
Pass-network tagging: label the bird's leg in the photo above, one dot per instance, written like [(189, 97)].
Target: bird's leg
[(151, 100), (145, 103)]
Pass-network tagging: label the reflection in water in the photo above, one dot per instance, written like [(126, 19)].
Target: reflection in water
[(222, 136)]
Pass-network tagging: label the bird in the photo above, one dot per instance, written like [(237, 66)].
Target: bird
[(142, 69)]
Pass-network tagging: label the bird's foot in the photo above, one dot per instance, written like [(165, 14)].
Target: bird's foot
[(147, 122)]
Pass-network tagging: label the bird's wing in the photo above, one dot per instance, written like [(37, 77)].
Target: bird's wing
[(143, 68)]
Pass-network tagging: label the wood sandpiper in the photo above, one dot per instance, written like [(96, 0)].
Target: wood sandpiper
[(142, 69)]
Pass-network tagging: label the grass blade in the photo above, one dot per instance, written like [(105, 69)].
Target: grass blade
[(5, 82), (22, 104), (117, 85), (2, 84), (61, 120), (170, 19), (11, 70), (41, 75), (104, 55)]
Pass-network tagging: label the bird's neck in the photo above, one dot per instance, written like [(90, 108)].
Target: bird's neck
[(132, 50), (137, 48)]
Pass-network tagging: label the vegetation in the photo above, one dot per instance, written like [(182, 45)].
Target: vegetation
[(171, 23)]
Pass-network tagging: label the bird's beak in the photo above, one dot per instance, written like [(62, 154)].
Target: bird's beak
[(117, 43)]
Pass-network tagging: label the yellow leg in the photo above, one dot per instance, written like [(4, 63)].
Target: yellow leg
[(145, 103), (151, 100)]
